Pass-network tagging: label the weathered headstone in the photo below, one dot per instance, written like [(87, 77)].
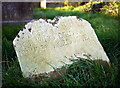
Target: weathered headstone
[(16, 11), (75, 4), (36, 4), (46, 41), (54, 5)]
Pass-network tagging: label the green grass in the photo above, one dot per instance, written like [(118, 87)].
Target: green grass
[(9, 32), (81, 73)]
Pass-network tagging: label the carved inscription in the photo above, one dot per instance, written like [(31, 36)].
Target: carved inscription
[(46, 41)]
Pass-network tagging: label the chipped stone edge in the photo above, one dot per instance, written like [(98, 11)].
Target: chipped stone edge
[(54, 23)]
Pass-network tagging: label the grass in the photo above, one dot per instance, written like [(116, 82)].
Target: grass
[(9, 32), (81, 72)]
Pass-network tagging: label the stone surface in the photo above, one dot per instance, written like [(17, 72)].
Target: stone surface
[(46, 41), (54, 5), (36, 4), (17, 11)]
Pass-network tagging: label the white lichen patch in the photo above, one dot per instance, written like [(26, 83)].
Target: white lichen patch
[(46, 41)]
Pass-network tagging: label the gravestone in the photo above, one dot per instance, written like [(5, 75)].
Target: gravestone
[(46, 42), (36, 4), (54, 5), (75, 4), (15, 11)]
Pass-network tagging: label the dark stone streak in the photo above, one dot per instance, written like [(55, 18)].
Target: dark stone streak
[(55, 20), (18, 36), (79, 18), (45, 19), (14, 45), (23, 28), (29, 29)]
